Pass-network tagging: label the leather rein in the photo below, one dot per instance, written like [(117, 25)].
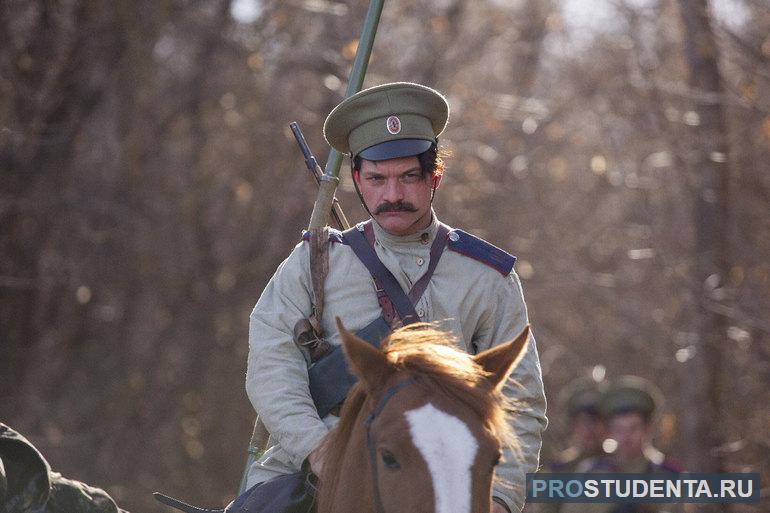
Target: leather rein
[(370, 443)]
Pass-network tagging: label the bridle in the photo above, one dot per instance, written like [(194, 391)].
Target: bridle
[(370, 443)]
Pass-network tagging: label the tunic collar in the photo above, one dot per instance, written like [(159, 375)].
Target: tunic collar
[(423, 237)]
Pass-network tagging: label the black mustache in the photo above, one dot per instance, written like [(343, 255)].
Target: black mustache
[(395, 207)]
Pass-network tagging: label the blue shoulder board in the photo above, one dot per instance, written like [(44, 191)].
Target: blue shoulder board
[(481, 250), (334, 236)]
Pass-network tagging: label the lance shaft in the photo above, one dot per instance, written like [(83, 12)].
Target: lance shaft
[(327, 185), (330, 179)]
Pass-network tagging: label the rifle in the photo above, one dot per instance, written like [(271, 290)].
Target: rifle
[(327, 185), (318, 174)]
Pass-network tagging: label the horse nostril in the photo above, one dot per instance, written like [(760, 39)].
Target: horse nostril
[(389, 460)]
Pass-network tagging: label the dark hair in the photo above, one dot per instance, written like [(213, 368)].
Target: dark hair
[(431, 161)]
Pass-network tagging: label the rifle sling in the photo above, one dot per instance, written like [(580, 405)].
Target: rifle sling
[(319, 269), (308, 333), (362, 245), (436, 250)]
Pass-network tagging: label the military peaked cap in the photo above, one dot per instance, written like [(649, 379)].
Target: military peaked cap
[(582, 396), (630, 394), (393, 120)]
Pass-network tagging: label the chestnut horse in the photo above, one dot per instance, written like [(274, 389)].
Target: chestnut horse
[(423, 428)]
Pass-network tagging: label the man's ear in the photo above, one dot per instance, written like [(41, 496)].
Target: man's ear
[(436, 181), (500, 360), (367, 363)]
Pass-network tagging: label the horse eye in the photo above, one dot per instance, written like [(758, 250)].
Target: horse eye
[(389, 460), (496, 461)]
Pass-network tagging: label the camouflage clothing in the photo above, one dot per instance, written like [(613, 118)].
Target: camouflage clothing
[(27, 484)]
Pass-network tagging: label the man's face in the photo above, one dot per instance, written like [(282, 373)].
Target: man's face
[(631, 431), (588, 431), (396, 194)]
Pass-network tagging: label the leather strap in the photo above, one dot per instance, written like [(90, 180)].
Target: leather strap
[(319, 269), (436, 250), (371, 449), (308, 333), (386, 305), (384, 279), (389, 292), (330, 378)]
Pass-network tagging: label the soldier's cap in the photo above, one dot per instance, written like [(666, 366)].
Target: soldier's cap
[(582, 396), (399, 119), (630, 394)]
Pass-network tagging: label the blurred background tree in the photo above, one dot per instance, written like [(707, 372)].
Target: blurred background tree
[(149, 186)]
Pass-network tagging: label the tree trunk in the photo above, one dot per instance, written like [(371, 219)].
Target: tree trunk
[(708, 168)]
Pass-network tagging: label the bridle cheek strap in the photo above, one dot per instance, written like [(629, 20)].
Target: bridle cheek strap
[(379, 508)]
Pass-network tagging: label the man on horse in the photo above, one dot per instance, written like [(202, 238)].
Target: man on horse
[(401, 266)]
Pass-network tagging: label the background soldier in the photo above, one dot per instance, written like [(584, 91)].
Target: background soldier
[(586, 431), (579, 402), (628, 408), (27, 484), (390, 131)]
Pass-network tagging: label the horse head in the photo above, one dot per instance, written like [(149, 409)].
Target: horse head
[(423, 428)]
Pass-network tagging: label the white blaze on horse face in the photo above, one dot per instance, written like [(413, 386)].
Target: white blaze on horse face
[(449, 448)]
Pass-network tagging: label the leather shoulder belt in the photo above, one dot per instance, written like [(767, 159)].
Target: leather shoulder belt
[(330, 378)]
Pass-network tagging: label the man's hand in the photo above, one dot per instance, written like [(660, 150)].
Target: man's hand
[(316, 459)]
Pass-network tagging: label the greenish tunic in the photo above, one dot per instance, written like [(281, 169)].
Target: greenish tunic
[(468, 298)]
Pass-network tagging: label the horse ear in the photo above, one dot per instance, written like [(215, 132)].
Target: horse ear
[(500, 360), (368, 363)]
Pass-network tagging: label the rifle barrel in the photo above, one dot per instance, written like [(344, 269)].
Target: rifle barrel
[(310, 160), (315, 170)]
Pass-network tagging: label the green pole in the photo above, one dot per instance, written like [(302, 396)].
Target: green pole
[(330, 178), (327, 187)]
